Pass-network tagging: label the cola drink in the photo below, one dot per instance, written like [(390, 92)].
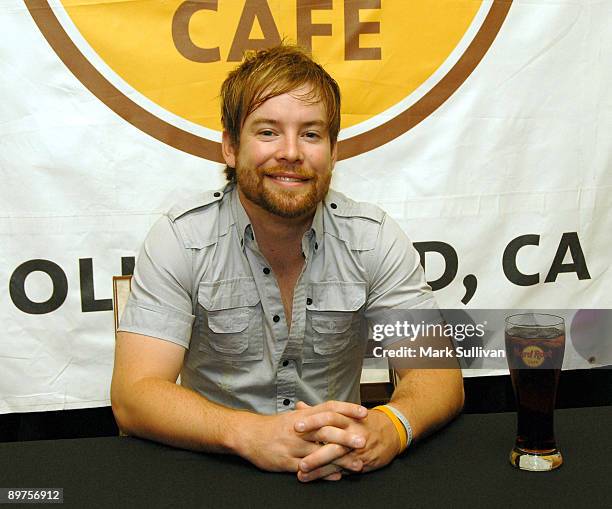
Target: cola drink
[(535, 346)]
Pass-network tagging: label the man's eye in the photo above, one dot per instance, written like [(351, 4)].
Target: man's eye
[(266, 132), (312, 135)]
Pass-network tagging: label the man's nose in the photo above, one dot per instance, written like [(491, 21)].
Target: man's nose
[(290, 150)]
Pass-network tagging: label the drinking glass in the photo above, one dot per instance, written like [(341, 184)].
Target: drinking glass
[(535, 344)]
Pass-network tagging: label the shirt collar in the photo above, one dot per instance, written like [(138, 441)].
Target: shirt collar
[(240, 216), (317, 222)]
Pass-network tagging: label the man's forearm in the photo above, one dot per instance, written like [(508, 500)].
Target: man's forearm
[(165, 412), (429, 398)]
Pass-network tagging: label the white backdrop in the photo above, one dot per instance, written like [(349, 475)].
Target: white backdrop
[(523, 147)]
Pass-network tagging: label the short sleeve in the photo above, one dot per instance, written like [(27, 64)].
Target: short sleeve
[(160, 303), (397, 286)]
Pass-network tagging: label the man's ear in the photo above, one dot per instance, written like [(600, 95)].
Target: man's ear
[(228, 150), (334, 155)]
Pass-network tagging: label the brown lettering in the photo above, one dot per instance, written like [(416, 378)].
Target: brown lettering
[(306, 29), (180, 31), (353, 28), (254, 9)]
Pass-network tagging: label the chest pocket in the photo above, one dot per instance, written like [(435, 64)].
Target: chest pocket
[(334, 321), (229, 318)]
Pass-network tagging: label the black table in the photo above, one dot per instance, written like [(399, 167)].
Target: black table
[(463, 465)]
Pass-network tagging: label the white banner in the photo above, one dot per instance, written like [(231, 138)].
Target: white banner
[(496, 158)]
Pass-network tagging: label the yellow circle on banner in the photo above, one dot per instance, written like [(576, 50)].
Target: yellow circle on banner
[(532, 356), (177, 53)]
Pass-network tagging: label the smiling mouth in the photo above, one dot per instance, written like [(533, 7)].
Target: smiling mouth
[(288, 179)]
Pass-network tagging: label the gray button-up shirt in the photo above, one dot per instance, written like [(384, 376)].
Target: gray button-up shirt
[(202, 282)]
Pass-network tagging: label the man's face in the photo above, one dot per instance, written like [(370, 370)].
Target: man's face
[(285, 160)]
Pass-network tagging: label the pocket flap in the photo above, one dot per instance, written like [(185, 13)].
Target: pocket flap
[(229, 321), (331, 323), (337, 296), (228, 294)]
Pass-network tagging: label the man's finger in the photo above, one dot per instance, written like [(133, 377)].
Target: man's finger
[(321, 457), (321, 473), (350, 462), (344, 408), (336, 476), (317, 420), (305, 448), (341, 407), (331, 434)]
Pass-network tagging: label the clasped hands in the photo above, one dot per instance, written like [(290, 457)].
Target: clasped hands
[(323, 441)]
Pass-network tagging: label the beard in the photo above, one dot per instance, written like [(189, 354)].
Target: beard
[(288, 203)]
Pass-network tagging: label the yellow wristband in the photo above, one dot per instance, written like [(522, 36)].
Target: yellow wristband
[(399, 427)]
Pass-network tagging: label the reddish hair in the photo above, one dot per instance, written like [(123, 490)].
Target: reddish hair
[(269, 73)]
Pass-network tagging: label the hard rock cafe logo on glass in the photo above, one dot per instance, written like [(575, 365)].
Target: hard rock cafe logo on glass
[(535, 344), (532, 356), (160, 64)]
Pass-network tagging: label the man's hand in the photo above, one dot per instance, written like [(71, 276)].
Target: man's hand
[(382, 444), (275, 443)]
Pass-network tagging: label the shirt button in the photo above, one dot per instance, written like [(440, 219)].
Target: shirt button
[(217, 194), (285, 363), (276, 318), (333, 206), (266, 270), (286, 402), (308, 301)]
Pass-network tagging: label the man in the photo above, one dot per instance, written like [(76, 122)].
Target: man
[(255, 294)]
